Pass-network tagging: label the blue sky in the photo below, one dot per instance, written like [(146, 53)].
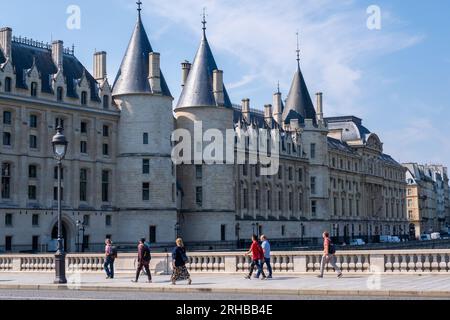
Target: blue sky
[(397, 79)]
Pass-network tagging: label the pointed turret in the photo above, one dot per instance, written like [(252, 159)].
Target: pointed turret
[(299, 104), (198, 90), (133, 75)]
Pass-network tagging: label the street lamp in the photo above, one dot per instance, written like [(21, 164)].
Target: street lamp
[(59, 143), (177, 230), (80, 227)]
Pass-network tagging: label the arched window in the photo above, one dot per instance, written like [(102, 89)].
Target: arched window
[(105, 102), (59, 93), (34, 87), (84, 98), (8, 84)]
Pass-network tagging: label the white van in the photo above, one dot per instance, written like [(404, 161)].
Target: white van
[(435, 236)]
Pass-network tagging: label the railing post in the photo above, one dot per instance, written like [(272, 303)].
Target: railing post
[(231, 264), (300, 263), (16, 264), (377, 262)]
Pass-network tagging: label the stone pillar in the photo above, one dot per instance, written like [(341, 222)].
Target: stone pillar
[(57, 53), (99, 65), (231, 264), (377, 262), (300, 264)]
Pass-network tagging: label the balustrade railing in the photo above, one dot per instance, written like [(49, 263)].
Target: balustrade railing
[(388, 262)]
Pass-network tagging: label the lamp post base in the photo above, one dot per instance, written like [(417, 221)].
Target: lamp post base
[(60, 268)]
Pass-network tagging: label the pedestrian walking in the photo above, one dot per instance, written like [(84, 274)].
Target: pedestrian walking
[(110, 257), (329, 251), (257, 255), (179, 260), (265, 245), (144, 258)]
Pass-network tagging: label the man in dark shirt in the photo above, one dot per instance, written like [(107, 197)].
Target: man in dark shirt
[(143, 261)]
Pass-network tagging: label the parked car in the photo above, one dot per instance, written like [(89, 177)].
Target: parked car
[(435, 236), (357, 242), (385, 238), (425, 237), (395, 239)]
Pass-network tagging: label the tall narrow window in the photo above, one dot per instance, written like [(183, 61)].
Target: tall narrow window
[(106, 131), (33, 141), (105, 149), (290, 174), (257, 197), (8, 220), (152, 234), (8, 84), (59, 93), (83, 147), (223, 232), (145, 138), (55, 173), (6, 139), (280, 200), (35, 243), (34, 87), (314, 208), (145, 191), (83, 127), (313, 185), (83, 184), (300, 175), (32, 172), (269, 200), (145, 166), (33, 121), (300, 202), (86, 220), (108, 220), (32, 192), (8, 243), (84, 98), (6, 180), (55, 194), (105, 186), (291, 201), (313, 150), (198, 172), (35, 220), (199, 196), (7, 117), (105, 102)]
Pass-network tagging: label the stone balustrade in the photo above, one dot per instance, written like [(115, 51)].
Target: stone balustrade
[(358, 262)]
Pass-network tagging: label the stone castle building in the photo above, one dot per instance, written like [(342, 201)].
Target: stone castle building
[(119, 179)]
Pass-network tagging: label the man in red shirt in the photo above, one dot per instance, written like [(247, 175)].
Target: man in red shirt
[(257, 256)]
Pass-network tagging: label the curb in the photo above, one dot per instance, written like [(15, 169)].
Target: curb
[(260, 291)]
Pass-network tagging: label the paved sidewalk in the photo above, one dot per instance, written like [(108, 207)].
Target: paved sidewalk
[(350, 285)]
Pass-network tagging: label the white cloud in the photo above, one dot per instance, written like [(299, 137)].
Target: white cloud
[(260, 35)]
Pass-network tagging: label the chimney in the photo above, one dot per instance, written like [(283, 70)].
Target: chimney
[(294, 125), (155, 72), (268, 113), (246, 109), (185, 69), (100, 65), (277, 108), (57, 53), (218, 87), (5, 42), (319, 103)]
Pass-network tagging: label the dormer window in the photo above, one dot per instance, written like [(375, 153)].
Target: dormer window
[(84, 98), (59, 93), (8, 84), (34, 87), (105, 102)]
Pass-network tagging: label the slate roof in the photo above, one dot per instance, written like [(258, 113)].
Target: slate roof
[(340, 146), (299, 104), (132, 77), (198, 89), (23, 57), (352, 128), (256, 118)]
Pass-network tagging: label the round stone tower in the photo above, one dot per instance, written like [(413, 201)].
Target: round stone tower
[(208, 203), (146, 181)]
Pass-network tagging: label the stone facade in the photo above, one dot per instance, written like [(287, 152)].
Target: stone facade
[(119, 177)]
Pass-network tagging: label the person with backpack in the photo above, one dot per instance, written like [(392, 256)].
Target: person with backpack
[(110, 257), (257, 256), (329, 251), (179, 260), (144, 258)]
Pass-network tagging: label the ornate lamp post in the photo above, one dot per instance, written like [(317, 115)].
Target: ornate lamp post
[(59, 143)]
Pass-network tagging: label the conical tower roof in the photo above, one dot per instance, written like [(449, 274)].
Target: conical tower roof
[(132, 77), (198, 89)]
